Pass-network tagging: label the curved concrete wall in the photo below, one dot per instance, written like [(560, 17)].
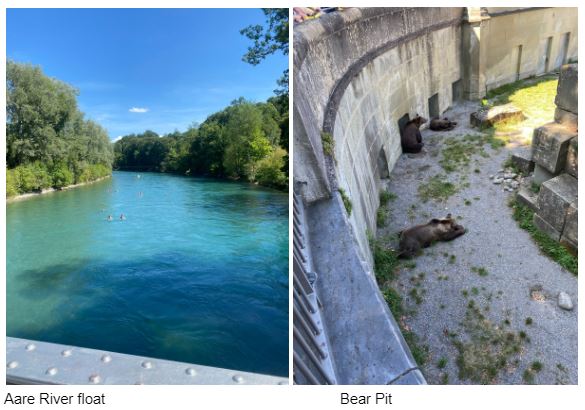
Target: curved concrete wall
[(356, 73)]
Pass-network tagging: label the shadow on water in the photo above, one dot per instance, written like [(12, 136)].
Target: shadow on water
[(170, 305)]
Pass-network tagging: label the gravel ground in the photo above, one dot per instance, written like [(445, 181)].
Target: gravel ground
[(494, 242)]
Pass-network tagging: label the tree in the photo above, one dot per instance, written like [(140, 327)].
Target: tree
[(268, 40)]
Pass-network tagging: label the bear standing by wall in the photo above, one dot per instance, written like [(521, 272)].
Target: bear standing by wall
[(411, 139)]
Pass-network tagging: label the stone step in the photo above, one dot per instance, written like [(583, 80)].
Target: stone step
[(528, 198), (554, 199), (550, 144), (523, 160), (566, 118), (569, 234)]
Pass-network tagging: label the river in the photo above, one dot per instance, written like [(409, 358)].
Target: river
[(196, 272)]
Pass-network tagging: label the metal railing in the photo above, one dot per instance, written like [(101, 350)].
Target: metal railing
[(32, 362), (311, 360)]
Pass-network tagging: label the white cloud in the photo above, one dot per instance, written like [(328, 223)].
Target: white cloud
[(118, 138), (138, 110)]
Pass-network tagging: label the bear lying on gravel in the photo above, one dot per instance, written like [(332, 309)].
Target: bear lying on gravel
[(444, 124), (422, 236), (411, 139)]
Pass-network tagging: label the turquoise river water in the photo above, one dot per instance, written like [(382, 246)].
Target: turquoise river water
[(197, 272)]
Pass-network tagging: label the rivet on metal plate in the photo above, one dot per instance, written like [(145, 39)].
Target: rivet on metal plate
[(12, 365), (66, 353), (238, 379), (106, 358), (30, 347), (95, 379), (147, 365), (191, 371), (51, 371)]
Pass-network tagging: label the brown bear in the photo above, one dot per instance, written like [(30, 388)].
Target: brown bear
[(422, 236), (411, 139), (444, 124)]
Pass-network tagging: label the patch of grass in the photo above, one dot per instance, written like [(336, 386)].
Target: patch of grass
[(474, 291), (536, 366), (528, 321), (409, 265), (328, 144), (479, 270), (553, 249), (395, 304), (436, 188), (416, 296), (486, 349), (528, 376), (386, 196), (467, 202), (346, 201), (444, 378), (534, 187), (381, 217), (385, 261), (458, 151), (442, 363), (452, 259)]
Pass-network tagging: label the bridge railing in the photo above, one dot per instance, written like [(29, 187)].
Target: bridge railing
[(33, 362), (311, 360)]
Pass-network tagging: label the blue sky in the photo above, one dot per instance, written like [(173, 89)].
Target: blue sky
[(138, 69)]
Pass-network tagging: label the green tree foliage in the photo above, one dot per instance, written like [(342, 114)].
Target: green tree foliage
[(48, 142), (269, 39), (241, 141)]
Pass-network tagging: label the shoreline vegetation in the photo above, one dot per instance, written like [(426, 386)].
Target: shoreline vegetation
[(34, 194)]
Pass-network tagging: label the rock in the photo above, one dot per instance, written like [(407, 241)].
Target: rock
[(570, 234), (528, 198), (545, 227), (498, 180), (550, 144), (510, 175), (515, 184), (554, 199), (567, 89), (487, 117), (565, 301), (523, 160), (572, 158), (492, 176)]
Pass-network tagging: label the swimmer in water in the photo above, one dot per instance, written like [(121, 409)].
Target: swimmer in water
[(122, 217), (110, 218)]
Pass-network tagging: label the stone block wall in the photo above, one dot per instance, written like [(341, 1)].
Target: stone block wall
[(555, 156)]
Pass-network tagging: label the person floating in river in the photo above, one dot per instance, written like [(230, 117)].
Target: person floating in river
[(110, 219), (122, 217)]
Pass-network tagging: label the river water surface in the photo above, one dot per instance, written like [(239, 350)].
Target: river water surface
[(197, 272)]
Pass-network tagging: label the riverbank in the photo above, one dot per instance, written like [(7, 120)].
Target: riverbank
[(29, 195)]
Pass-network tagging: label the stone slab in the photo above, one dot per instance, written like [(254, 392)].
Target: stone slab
[(523, 161), (487, 117), (567, 89), (570, 231), (528, 198), (541, 175), (566, 118), (571, 165), (555, 197), (545, 227), (550, 144)]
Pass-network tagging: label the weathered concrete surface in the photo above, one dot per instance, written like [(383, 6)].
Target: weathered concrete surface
[(572, 164), (570, 231), (529, 27), (550, 144), (488, 117), (528, 198), (493, 241), (541, 175), (357, 73), (523, 160), (567, 91), (545, 227), (566, 118), (365, 342), (554, 199)]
